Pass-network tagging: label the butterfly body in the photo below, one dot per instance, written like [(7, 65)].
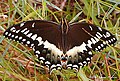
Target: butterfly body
[(62, 45)]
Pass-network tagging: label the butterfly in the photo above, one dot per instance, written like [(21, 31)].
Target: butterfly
[(65, 45)]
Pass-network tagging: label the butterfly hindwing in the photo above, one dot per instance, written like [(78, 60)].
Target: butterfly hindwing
[(49, 55)]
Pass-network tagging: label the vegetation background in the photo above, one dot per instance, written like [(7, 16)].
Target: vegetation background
[(18, 63)]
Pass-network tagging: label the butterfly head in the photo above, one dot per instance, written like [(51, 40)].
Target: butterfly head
[(64, 59)]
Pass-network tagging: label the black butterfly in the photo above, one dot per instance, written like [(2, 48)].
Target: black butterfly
[(63, 45)]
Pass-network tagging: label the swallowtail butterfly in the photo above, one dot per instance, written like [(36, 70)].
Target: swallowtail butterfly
[(62, 45)]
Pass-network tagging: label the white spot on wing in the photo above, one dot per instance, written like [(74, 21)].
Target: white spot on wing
[(99, 34), (88, 62), (53, 66), (42, 58), (41, 61), (22, 24), (84, 62), (102, 45), (33, 25), (28, 42), (75, 66), (34, 36), (107, 34), (38, 52), (17, 31), (6, 33), (100, 28), (33, 48), (87, 59), (109, 41), (99, 47), (47, 63), (24, 40), (26, 32), (90, 27), (32, 45), (13, 28), (14, 31), (16, 37), (9, 34), (90, 53), (114, 39), (93, 41), (80, 64), (58, 65), (20, 38), (36, 55), (89, 44), (12, 36), (69, 65), (29, 35), (96, 49), (96, 39)]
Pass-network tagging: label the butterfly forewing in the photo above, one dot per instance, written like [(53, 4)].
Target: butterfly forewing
[(35, 30), (93, 36)]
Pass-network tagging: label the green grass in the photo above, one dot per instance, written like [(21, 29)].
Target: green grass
[(18, 63)]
